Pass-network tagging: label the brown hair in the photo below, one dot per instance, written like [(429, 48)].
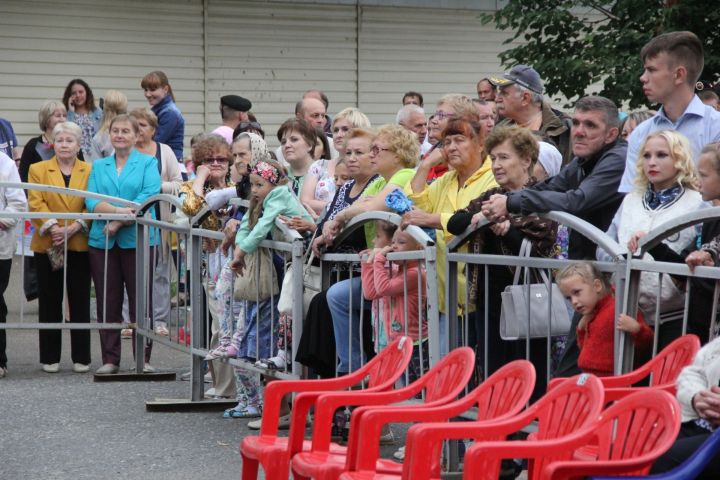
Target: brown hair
[(124, 117), (388, 228), (147, 115), (157, 79), (713, 149), (521, 140), (302, 127), (684, 48), (209, 144), (89, 98)]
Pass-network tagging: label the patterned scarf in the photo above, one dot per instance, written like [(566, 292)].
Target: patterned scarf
[(656, 199)]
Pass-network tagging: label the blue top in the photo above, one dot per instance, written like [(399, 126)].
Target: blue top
[(700, 123), (96, 116), (279, 201), (171, 125), (138, 181), (8, 140)]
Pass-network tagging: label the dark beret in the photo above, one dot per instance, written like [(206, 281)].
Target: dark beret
[(236, 102)]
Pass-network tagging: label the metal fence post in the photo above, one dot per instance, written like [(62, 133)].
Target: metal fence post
[(198, 315)]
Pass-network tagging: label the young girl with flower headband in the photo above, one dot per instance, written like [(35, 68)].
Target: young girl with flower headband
[(269, 198)]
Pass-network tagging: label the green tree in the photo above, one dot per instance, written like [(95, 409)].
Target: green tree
[(574, 44)]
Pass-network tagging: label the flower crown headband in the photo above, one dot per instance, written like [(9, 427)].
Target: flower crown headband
[(268, 172)]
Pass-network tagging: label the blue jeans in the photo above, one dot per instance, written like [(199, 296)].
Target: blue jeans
[(346, 322)]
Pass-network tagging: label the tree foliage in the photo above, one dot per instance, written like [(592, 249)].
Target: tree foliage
[(574, 44)]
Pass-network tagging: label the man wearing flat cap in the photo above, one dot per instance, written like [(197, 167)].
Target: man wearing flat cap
[(233, 109), (520, 101)]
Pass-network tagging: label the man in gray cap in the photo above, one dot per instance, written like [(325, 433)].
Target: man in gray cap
[(520, 101), (233, 109)]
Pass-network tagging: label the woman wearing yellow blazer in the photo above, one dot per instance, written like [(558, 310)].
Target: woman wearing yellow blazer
[(48, 243)]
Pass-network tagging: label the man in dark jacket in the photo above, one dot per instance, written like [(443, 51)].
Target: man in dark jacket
[(587, 186)]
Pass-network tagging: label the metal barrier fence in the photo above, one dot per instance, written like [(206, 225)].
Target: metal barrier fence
[(191, 256), (188, 255)]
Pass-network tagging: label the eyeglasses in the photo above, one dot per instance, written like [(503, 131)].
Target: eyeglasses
[(376, 150), (216, 160), (246, 125), (443, 115)]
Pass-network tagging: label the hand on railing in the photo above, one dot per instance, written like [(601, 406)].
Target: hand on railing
[(297, 223), (238, 261), (634, 241), (699, 258), (495, 209), (112, 227)]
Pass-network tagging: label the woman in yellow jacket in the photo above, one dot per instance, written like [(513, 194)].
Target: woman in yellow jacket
[(53, 256), (470, 175)]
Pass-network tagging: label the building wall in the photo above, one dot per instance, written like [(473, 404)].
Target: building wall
[(362, 54)]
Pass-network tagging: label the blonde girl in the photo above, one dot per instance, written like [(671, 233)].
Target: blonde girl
[(591, 295), (665, 187)]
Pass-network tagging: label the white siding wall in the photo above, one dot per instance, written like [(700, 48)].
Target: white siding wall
[(109, 44), (268, 51)]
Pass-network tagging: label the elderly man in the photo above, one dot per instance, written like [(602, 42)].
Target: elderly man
[(587, 186), (520, 102), (233, 110), (411, 117)]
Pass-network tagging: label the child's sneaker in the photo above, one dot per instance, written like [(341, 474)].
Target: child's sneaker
[(243, 411), (399, 454)]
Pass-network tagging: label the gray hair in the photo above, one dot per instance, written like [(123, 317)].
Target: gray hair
[(67, 127), (48, 110), (536, 98), (404, 113), (596, 103)]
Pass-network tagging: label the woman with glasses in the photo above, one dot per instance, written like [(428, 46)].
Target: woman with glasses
[(171, 178), (213, 158), (130, 175), (449, 107), (393, 154)]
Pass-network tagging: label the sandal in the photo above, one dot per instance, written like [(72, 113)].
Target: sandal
[(223, 351), (243, 411)]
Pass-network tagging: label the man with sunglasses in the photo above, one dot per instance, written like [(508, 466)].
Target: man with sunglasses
[(233, 110), (520, 102)]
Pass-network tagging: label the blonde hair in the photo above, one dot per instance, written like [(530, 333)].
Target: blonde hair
[(461, 105), (681, 154), (713, 150), (402, 142), (115, 103), (585, 270), (47, 111), (354, 116), (255, 208)]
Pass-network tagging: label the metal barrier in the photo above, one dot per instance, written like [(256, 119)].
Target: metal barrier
[(427, 297)]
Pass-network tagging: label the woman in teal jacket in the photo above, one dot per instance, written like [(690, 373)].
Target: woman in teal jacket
[(129, 175)]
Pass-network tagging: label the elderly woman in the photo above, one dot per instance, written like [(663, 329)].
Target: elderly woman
[(115, 104), (40, 148), (319, 187), (80, 104), (130, 175), (171, 179), (11, 200), (514, 153), (317, 345), (393, 154), (435, 203), (213, 159), (59, 245)]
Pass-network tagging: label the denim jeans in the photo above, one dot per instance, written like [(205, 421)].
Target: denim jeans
[(346, 322)]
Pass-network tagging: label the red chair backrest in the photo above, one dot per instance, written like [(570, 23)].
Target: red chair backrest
[(448, 377), (667, 365), (505, 391), (388, 365), (630, 435)]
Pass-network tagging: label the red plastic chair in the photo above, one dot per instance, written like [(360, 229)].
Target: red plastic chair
[(664, 368), (441, 384), (569, 407), (632, 434), (273, 452), (501, 396)]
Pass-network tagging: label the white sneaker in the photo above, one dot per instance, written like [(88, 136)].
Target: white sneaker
[(51, 367), (3, 372), (107, 369), (161, 329), (147, 368), (80, 368), (400, 453)]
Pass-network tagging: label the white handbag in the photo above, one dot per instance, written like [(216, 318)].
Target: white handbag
[(514, 321)]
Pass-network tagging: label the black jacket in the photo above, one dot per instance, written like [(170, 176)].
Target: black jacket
[(586, 188)]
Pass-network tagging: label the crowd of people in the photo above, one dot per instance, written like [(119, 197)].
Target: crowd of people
[(504, 157)]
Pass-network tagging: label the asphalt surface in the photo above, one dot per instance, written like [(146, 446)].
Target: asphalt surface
[(65, 426)]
